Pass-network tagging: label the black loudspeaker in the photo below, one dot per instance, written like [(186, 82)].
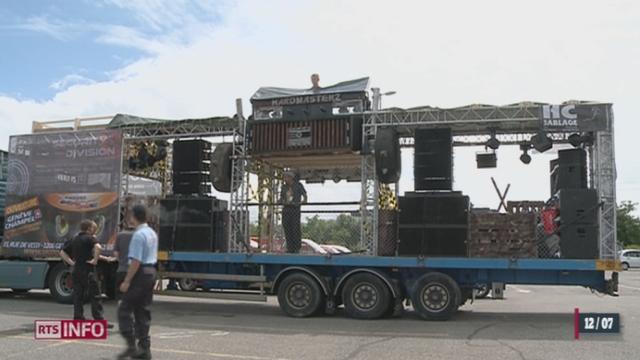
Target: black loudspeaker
[(578, 206), (387, 155), (433, 224), (191, 167), (190, 155), (433, 242), (579, 242), (433, 159), (193, 224), (434, 208), (570, 171), (190, 183), (221, 167)]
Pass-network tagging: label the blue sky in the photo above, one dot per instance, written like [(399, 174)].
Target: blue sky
[(49, 46)]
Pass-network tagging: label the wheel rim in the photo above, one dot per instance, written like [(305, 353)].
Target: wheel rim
[(435, 297), (364, 296), (64, 285), (187, 284), (625, 266), (299, 295)]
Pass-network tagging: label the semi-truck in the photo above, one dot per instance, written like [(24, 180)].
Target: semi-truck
[(70, 170)]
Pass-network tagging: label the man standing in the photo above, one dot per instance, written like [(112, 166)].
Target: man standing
[(137, 287), (121, 253), (292, 195), (82, 253)]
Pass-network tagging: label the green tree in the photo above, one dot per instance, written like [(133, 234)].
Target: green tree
[(343, 230), (628, 224)]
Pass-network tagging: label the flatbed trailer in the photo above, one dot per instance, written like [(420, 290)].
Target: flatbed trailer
[(372, 286)]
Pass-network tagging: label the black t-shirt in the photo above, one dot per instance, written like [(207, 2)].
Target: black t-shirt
[(291, 195), (80, 249)]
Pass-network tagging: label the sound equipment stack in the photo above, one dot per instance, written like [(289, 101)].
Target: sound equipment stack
[(569, 170), (193, 224), (191, 167), (579, 223), (433, 159), (433, 224)]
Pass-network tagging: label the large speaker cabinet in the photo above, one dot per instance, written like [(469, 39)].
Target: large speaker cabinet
[(193, 224), (433, 159), (433, 224)]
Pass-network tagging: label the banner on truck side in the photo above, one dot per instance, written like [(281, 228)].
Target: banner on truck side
[(54, 182)]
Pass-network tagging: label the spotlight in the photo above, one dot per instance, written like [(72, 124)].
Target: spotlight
[(493, 143), (525, 157), (575, 140), (541, 142)]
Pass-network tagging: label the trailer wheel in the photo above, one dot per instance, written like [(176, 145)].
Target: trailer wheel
[(365, 296), (187, 284), (435, 296), (483, 291), (299, 295), (60, 284)]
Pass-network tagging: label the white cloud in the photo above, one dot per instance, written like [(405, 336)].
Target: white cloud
[(41, 24), (449, 54), (70, 80)]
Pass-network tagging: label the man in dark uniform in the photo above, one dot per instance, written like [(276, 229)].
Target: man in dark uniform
[(82, 253), (137, 287), (292, 195), (121, 253)]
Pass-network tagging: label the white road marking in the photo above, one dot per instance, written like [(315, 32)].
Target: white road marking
[(153, 349), (629, 287), (520, 290)]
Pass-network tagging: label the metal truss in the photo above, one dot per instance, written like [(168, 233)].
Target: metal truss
[(604, 180), (238, 208), (212, 127)]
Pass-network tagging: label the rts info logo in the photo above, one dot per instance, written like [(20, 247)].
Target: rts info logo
[(70, 330)]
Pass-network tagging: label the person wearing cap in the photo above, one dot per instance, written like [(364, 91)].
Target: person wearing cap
[(292, 195)]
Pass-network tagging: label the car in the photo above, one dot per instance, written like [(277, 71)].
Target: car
[(630, 258)]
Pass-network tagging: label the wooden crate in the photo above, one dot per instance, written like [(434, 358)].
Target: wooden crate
[(493, 234)]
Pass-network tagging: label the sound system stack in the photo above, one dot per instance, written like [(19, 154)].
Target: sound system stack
[(433, 159), (191, 167), (578, 231), (569, 170), (579, 223), (193, 224), (433, 224)]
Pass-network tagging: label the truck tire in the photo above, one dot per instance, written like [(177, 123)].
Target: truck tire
[(299, 295), (60, 284), (435, 296), (366, 296), (188, 284)]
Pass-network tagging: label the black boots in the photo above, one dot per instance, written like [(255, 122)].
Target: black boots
[(130, 351), (144, 351)]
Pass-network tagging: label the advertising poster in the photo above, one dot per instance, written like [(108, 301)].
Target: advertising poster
[(54, 182)]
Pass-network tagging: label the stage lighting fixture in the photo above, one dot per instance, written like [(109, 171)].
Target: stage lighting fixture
[(486, 160), (493, 143), (541, 142), (575, 140), (525, 157)]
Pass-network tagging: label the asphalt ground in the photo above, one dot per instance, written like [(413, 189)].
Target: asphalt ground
[(532, 322)]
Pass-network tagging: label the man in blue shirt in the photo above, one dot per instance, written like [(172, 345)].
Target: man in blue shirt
[(137, 287)]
